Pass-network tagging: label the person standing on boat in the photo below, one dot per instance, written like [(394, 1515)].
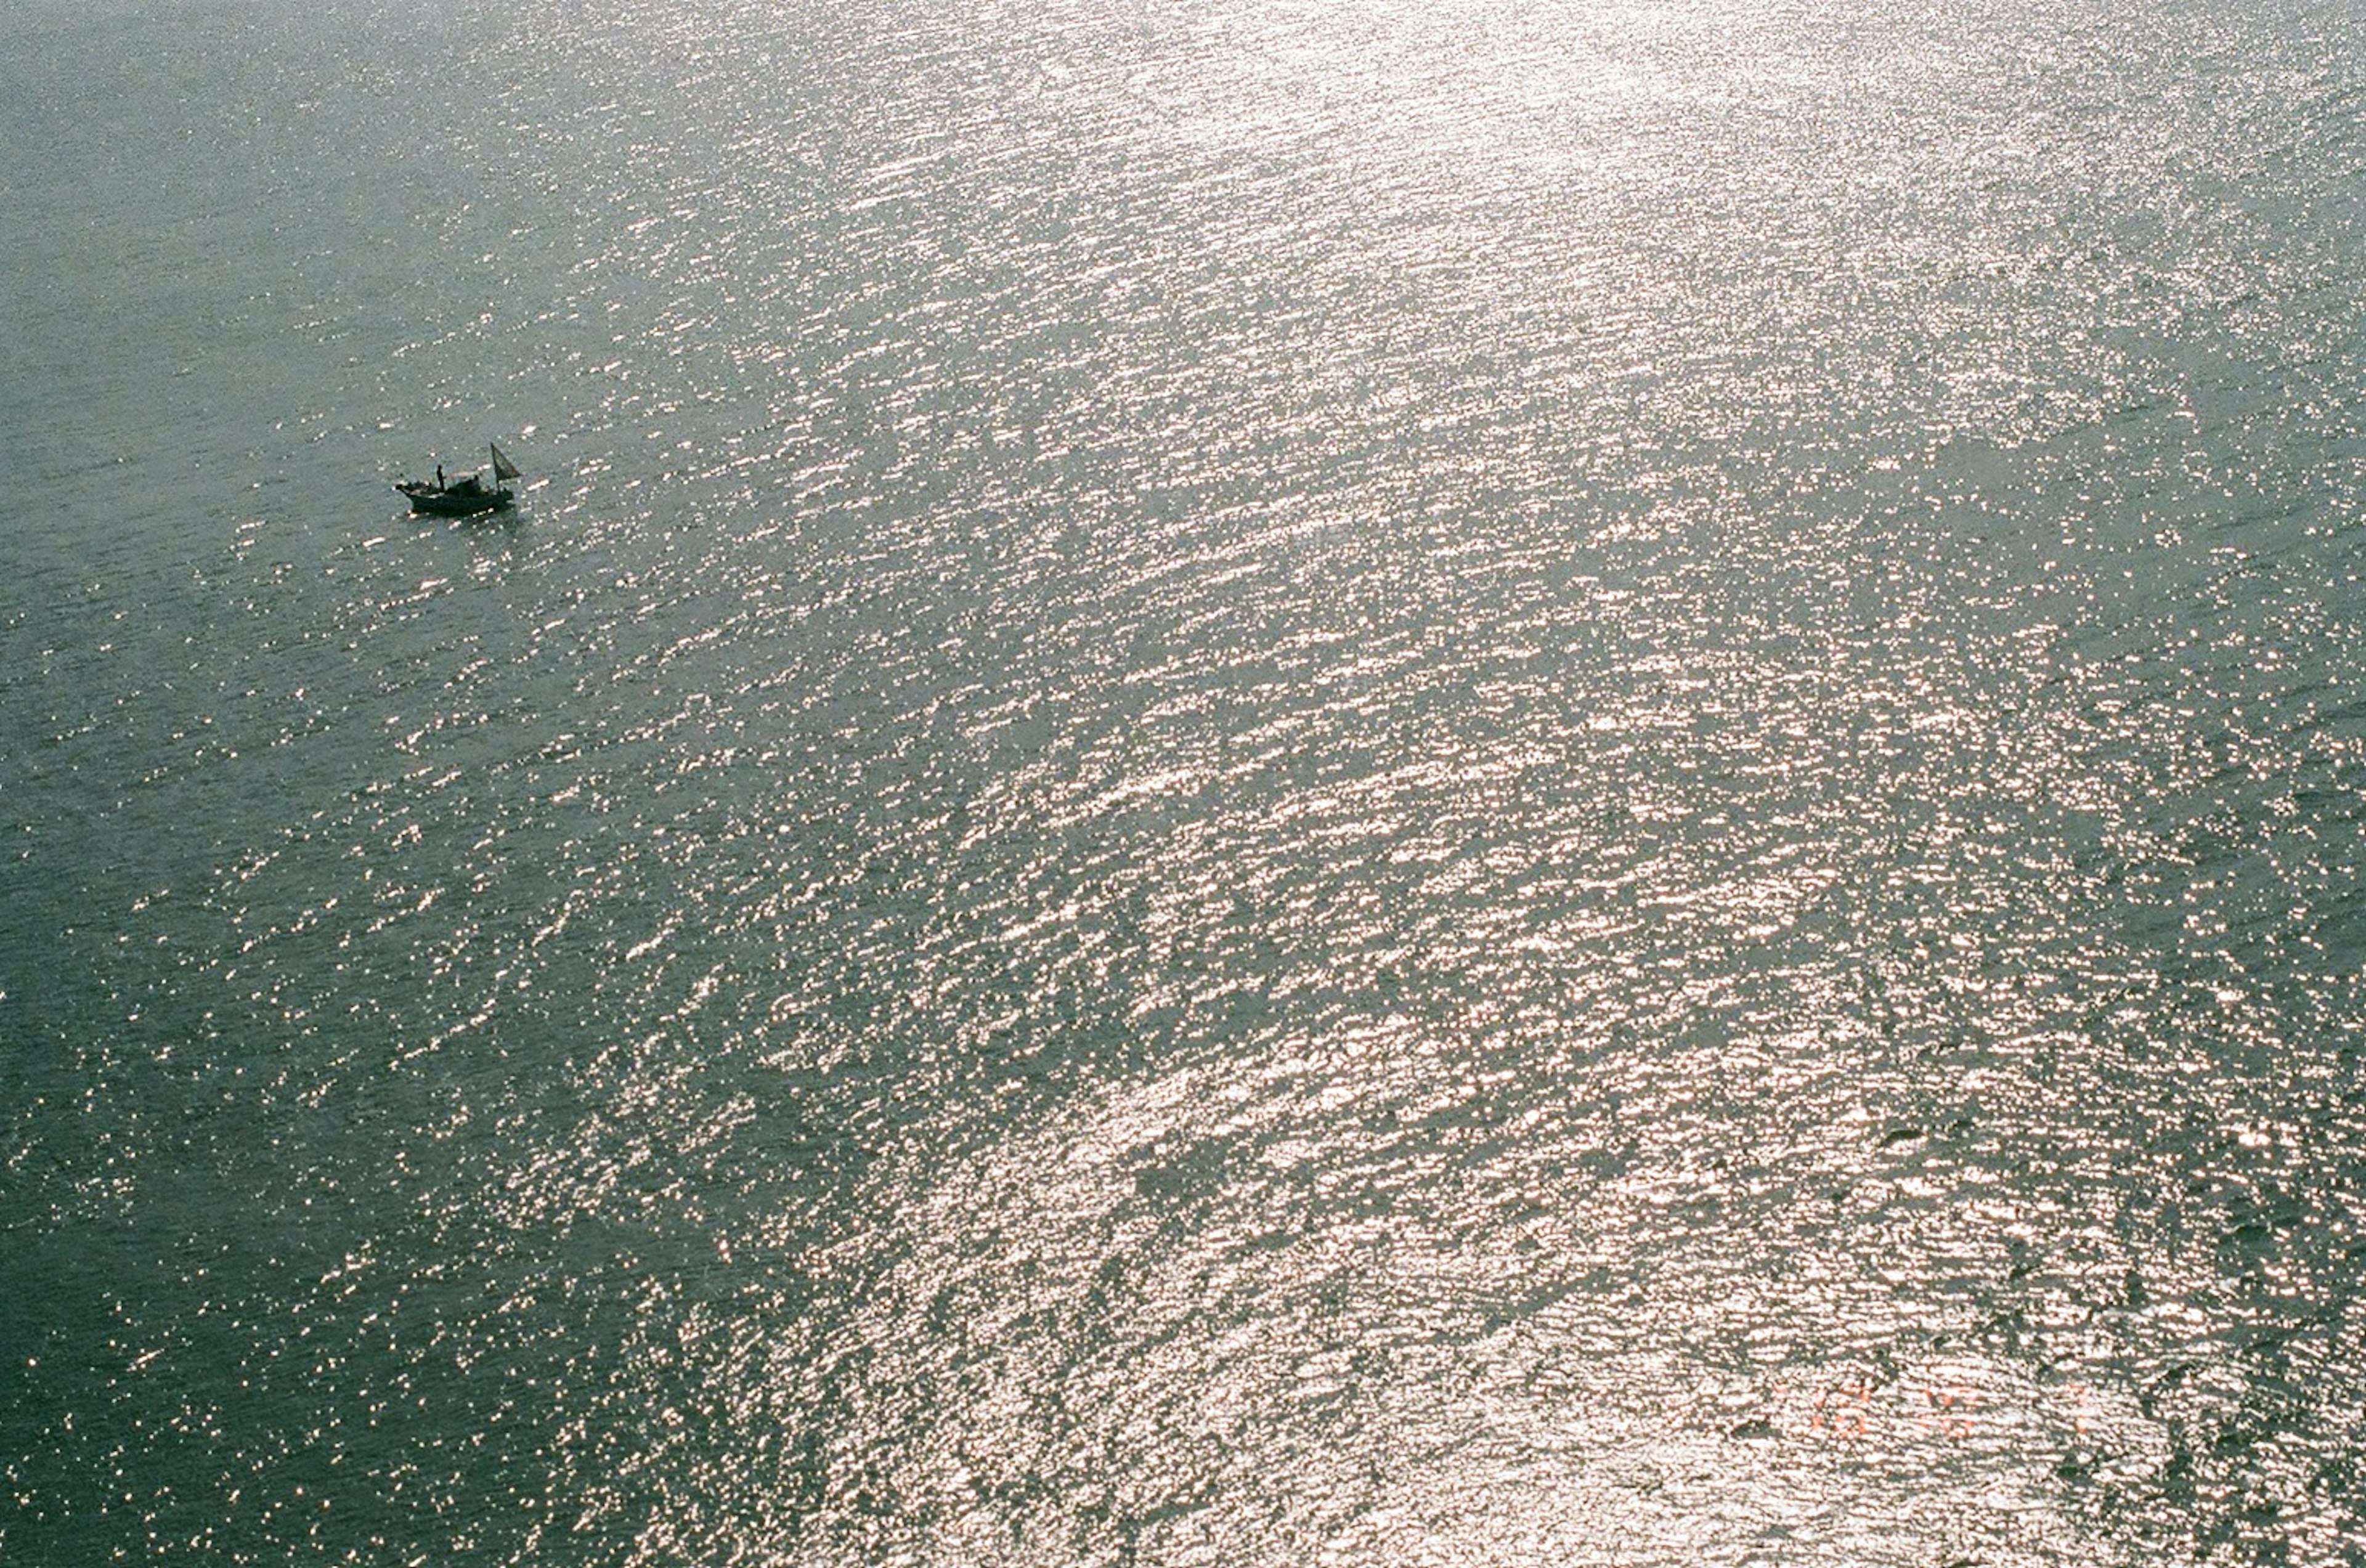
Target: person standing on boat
[(439, 476)]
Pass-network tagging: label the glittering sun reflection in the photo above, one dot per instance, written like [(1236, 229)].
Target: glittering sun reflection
[(1432, 784), (1380, 1302)]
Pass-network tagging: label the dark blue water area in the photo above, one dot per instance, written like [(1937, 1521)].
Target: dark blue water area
[(1245, 784)]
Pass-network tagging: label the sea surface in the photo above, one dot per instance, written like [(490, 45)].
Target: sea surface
[(1251, 784)]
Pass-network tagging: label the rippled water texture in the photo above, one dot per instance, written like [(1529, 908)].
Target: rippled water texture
[(1255, 784)]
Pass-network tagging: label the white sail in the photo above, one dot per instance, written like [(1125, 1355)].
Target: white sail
[(502, 467)]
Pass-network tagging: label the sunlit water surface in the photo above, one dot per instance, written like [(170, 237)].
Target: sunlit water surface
[(1253, 784)]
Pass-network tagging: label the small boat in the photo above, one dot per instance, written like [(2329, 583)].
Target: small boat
[(469, 496)]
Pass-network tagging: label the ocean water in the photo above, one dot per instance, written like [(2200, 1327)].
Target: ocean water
[(1252, 782)]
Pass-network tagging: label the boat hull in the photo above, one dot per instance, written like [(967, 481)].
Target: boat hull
[(426, 500)]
